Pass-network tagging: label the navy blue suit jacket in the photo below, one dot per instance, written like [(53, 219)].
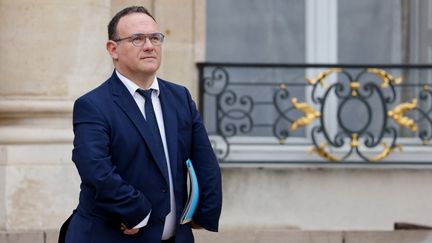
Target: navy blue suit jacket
[(123, 177)]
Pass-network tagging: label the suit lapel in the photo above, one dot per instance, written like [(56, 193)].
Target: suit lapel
[(125, 101), (170, 122)]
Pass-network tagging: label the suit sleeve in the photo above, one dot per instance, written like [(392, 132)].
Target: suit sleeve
[(92, 157), (208, 173)]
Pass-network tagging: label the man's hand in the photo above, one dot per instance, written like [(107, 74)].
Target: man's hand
[(127, 231)]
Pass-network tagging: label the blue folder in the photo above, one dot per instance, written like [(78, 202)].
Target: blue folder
[(193, 194)]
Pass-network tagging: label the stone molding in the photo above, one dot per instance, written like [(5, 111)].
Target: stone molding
[(35, 121), (34, 135), (261, 235), (20, 108)]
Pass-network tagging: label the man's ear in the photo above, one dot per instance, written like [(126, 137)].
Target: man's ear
[(111, 47)]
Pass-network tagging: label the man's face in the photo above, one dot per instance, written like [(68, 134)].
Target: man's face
[(133, 61)]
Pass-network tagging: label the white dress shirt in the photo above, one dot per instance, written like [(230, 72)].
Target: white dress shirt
[(169, 226)]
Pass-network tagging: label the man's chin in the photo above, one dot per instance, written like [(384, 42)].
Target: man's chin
[(149, 70), (150, 66)]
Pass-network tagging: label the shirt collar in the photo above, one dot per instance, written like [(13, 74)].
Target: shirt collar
[(132, 87)]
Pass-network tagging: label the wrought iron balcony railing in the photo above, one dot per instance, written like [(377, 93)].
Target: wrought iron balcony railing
[(348, 113)]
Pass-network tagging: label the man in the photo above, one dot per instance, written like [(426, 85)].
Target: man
[(133, 135)]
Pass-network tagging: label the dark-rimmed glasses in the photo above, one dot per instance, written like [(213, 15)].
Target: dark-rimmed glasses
[(139, 40)]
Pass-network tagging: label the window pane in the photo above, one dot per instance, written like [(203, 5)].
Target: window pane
[(369, 31), (255, 31), (245, 31)]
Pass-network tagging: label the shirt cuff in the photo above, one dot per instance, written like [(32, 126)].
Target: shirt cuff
[(143, 223)]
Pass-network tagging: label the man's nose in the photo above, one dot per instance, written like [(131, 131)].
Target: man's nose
[(147, 44)]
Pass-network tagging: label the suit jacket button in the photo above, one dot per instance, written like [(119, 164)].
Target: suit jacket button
[(164, 190)]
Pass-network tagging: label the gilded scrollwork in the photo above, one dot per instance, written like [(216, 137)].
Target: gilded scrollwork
[(385, 76), (309, 112), (398, 114), (321, 151), (357, 113), (320, 78), (363, 96), (385, 152), (354, 88)]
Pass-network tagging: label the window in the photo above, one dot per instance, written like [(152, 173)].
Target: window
[(249, 109)]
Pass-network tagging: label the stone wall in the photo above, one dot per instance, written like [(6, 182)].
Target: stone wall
[(325, 197), (52, 52)]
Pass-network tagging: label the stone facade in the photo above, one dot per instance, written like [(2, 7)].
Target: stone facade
[(53, 52)]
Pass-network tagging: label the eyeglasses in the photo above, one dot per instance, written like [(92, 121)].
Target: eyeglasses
[(139, 40)]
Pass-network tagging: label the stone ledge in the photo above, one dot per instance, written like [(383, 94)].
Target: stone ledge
[(51, 236), (22, 237), (35, 135), (398, 236), (305, 236), (15, 107), (29, 237), (261, 236)]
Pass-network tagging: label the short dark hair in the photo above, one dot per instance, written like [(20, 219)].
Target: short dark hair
[(112, 26)]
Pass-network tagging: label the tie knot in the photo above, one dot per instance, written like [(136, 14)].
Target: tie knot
[(145, 93)]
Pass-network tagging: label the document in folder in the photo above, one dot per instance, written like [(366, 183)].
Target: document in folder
[(193, 194)]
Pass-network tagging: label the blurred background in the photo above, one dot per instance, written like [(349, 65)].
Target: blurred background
[(319, 111)]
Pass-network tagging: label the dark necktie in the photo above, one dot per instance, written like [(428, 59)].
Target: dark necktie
[(153, 126), (149, 111), (151, 118)]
